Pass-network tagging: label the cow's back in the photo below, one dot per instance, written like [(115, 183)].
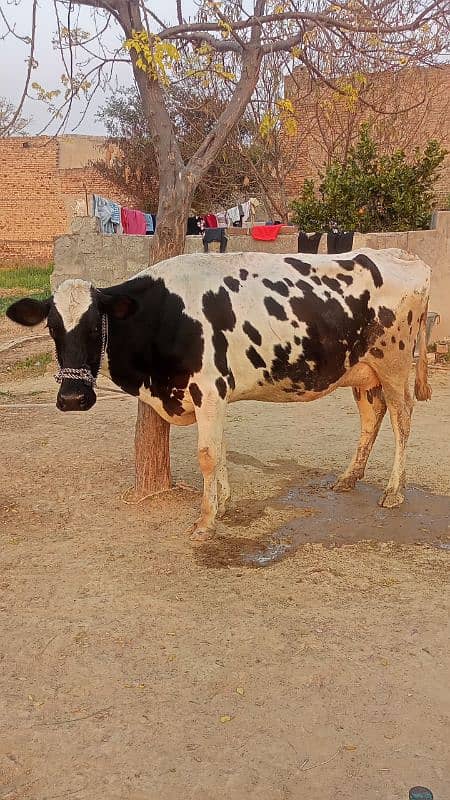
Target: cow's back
[(288, 327)]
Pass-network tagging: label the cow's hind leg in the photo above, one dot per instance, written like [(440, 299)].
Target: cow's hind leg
[(210, 421), (372, 408), (223, 486), (400, 407)]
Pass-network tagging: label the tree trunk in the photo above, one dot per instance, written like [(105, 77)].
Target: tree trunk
[(152, 452), (152, 446)]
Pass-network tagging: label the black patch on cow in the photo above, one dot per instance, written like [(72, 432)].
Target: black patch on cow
[(196, 394), (386, 316), (356, 393), (346, 263), (232, 283), (316, 279), (401, 345), (376, 391), (383, 343), (254, 357), (276, 286), (348, 279), (301, 266), (410, 316), (219, 312), (393, 339), (332, 336), (288, 281), (253, 334), (267, 376), (367, 263), (280, 364), (255, 275), (297, 340), (376, 352), (327, 294), (159, 346), (332, 284), (294, 323), (221, 387), (243, 274), (230, 380), (275, 309)]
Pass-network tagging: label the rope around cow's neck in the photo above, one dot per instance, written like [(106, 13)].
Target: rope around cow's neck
[(84, 373)]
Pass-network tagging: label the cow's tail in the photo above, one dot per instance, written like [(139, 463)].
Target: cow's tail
[(422, 388)]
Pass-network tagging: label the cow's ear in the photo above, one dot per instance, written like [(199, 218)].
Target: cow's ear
[(29, 311), (119, 306)]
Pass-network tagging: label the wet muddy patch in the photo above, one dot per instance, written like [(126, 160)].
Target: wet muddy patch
[(333, 520)]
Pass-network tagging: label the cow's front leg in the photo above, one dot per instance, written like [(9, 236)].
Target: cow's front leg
[(210, 421)]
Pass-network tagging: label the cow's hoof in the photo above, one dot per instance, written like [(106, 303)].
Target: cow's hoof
[(222, 508), (391, 499), (344, 484), (200, 533)]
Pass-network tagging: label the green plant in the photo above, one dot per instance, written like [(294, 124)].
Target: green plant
[(372, 191)]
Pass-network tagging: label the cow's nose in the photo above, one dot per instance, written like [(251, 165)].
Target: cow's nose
[(71, 402)]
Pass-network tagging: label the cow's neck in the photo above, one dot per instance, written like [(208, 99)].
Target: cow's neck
[(133, 343)]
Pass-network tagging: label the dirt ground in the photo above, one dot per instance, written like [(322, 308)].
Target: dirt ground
[(303, 653)]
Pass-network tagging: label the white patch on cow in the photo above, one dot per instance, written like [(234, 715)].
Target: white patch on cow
[(72, 299)]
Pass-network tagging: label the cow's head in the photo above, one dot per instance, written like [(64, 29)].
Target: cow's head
[(77, 318)]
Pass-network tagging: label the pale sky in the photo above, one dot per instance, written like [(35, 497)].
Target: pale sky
[(13, 55)]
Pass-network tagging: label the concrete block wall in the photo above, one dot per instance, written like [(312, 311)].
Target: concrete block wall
[(108, 259)]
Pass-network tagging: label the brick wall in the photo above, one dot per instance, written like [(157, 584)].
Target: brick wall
[(42, 180), (417, 102)]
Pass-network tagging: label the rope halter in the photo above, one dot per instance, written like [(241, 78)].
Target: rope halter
[(84, 373)]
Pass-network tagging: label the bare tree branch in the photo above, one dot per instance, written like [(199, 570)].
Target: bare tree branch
[(30, 67)]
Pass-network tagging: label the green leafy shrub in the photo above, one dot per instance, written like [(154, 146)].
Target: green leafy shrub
[(372, 191)]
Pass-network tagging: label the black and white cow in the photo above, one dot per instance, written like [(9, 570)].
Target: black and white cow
[(197, 332)]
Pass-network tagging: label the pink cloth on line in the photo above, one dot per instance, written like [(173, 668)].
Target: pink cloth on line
[(133, 221)]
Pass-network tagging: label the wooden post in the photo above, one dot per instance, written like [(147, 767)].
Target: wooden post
[(152, 452)]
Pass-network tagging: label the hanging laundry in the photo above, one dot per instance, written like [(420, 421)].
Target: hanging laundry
[(191, 227), (107, 212), (221, 219), (233, 215), (148, 224), (265, 233), (210, 221), (246, 211), (195, 225), (308, 242), (133, 222), (215, 235), (339, 242), (254, 204)]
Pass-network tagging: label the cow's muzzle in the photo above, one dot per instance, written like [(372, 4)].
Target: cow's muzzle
[(82, 398)]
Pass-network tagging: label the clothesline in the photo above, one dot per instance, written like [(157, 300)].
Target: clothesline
[(120, 219)]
